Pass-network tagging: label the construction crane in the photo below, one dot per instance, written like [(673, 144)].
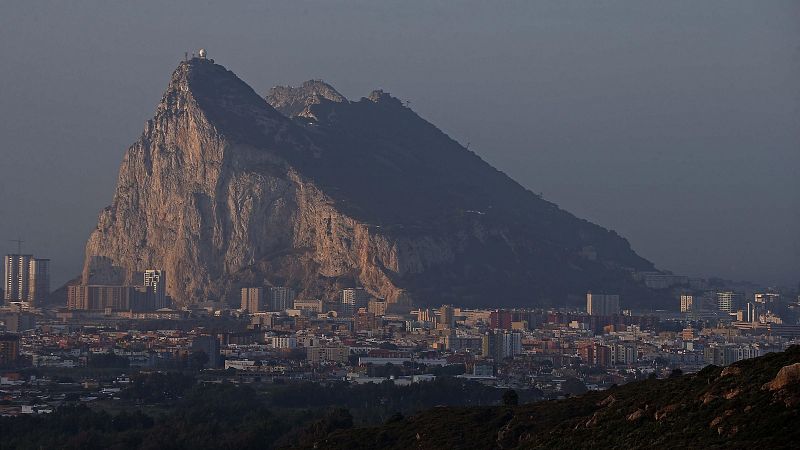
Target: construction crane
[(19, 245)]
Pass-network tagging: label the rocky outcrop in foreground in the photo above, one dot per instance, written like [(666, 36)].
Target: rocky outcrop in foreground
[(753, 403), (224, 190)]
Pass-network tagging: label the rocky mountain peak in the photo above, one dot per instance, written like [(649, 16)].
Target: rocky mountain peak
[(379, 96), (224, 191), (297, 101), (228, 104)]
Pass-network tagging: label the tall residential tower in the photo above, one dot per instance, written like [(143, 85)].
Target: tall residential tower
[(38, 281), (27, 279), (155, 282), (602, 304), (281, 298)]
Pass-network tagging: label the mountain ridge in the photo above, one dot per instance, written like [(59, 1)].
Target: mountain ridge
[(223, 190)]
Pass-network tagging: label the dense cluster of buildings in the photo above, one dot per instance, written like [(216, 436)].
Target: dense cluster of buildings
[(759, 309), (281, 298), (151, 295), (274, 334), (357, 337)]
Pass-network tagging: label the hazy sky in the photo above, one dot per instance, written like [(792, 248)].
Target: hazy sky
[(677, 124)]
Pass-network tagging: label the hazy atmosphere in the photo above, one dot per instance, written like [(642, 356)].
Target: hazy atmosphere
[(676, 124)]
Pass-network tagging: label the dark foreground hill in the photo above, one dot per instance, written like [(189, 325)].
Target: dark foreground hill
[(226, 189), (751, 404)]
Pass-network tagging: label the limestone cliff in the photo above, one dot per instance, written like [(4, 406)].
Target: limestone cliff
[(222, 190)]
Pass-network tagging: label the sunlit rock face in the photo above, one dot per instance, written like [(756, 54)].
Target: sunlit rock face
[(226, 189)]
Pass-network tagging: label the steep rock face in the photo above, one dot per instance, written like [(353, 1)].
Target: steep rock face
[(206, 195), (223, 191)]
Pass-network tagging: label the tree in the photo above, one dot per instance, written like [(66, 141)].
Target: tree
[(573, 386), (510, 398), (338, 419)]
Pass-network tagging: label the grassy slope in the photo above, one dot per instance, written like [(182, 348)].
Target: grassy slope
[(753, 416)]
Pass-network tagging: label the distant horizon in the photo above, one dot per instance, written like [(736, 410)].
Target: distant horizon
[(683, 140)]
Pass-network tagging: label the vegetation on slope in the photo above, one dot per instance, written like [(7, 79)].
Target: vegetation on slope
[(174, 410), (752, 402)]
